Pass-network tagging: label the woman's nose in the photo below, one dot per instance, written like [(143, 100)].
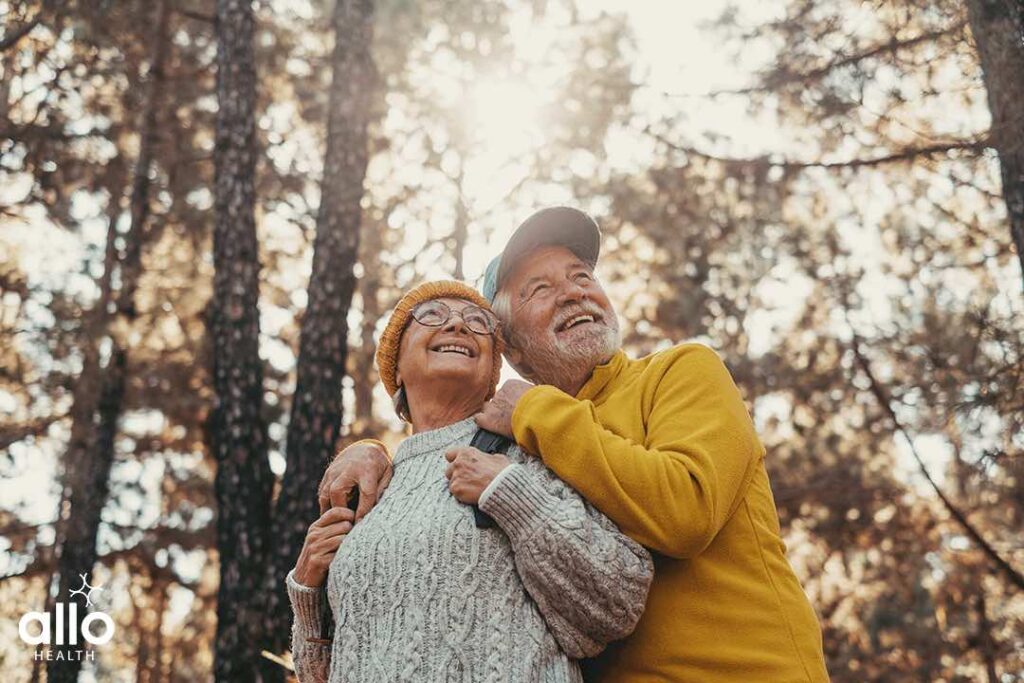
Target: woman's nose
[(455, 323)]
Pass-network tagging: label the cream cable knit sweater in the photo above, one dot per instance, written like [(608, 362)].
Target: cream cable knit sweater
[(420, 594)]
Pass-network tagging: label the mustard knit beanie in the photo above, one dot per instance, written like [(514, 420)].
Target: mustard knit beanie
[(390, 339)]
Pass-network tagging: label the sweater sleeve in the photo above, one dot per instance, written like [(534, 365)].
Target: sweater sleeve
[(675, 490), (588, 580), (312, 660)]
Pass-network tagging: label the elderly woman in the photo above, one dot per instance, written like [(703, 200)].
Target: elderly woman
[(418, 591)]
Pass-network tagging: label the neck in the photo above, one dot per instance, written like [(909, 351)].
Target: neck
[(563, 376), (572, 385), (435, 407)]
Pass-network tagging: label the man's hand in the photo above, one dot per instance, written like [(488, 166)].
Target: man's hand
[(363, 466), (322, 542), (497, 413), (470, 470)]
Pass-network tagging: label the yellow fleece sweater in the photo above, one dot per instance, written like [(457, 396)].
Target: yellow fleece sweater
[(665, 448)]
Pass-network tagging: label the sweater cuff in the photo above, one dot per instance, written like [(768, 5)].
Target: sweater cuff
[(306, 603), (519, 503), (486, 493)]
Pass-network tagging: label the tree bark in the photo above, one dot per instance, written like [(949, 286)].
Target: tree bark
[(361, 362), (998, 28), (317, 407), (236, 429), (99, 395)]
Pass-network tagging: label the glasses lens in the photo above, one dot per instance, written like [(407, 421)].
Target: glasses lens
[(478, 320), (431, 313)]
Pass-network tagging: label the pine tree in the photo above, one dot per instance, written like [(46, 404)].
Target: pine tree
[(237, 431)]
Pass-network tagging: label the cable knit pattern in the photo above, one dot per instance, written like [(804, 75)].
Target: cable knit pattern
[(419, 593)]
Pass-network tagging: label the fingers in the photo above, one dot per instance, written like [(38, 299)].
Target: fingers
[(335, 530), (384, 481), (367, 495), (333, 516), (485, 419), (341, 491)]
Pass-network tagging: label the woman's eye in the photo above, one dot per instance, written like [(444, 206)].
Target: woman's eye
[(430, 317)]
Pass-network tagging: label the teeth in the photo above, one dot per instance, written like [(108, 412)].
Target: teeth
[(454, 347), (579, 318)]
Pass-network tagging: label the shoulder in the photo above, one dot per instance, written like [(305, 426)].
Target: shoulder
[(687, 361)]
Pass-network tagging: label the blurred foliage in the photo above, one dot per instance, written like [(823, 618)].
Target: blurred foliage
[(869, 257)]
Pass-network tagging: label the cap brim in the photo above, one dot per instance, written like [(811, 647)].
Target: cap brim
[(556, 226)]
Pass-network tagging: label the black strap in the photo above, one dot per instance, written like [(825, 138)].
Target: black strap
[(488, 442)]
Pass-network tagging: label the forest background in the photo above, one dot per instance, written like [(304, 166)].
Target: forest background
[(208, 207)]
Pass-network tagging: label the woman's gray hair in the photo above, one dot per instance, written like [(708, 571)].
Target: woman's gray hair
[(401, 403)]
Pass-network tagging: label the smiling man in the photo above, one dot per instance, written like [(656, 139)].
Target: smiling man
[(663, 446)]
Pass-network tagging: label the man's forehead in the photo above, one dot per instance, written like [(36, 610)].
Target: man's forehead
[(542, 262)]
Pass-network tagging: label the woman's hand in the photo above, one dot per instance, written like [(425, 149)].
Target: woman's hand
[(322, 541), (470, 470)]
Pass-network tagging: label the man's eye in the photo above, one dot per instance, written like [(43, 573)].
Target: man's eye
[(538, 288), (583, 276)]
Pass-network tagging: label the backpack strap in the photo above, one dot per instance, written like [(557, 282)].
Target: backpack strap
[(488, 442)]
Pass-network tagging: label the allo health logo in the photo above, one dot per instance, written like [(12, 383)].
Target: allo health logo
[(97, 628)]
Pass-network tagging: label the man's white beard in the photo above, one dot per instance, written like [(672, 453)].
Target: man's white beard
[(567, 364)]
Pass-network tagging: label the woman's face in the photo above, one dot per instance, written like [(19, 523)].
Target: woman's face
[(451, 352)]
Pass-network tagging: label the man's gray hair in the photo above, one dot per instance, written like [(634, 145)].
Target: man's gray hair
[(502, 307)]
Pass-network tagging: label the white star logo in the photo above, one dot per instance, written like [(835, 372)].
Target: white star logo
[(83, 591)]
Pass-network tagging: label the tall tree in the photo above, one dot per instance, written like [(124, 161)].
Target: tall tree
[(237, 432), (316, 407), (99, 392), (998, 28)]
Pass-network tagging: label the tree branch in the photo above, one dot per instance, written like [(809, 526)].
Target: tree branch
[(905, 154), (11, 39), (882, 396)]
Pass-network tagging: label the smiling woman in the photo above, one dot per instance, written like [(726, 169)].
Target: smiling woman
[(447, 350), (437, 596)]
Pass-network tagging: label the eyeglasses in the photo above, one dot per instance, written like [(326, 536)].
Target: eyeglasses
[(437, 313)]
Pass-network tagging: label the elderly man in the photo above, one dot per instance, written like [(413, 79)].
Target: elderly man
[(662, 445)]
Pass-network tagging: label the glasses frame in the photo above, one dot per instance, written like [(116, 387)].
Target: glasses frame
[(461, 313)]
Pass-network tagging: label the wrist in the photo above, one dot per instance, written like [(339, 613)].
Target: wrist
[(305, 574), (377, 442)]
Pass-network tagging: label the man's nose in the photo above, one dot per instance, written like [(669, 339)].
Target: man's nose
[(570, 291)]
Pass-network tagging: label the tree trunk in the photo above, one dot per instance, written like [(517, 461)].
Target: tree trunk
[(998, 28), (361, 362), (236, 430), (99, 395), (316, 407)]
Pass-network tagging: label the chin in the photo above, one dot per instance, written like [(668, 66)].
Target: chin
[(595, 345)]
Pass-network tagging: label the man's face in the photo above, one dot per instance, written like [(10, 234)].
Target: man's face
[(563, 325)]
